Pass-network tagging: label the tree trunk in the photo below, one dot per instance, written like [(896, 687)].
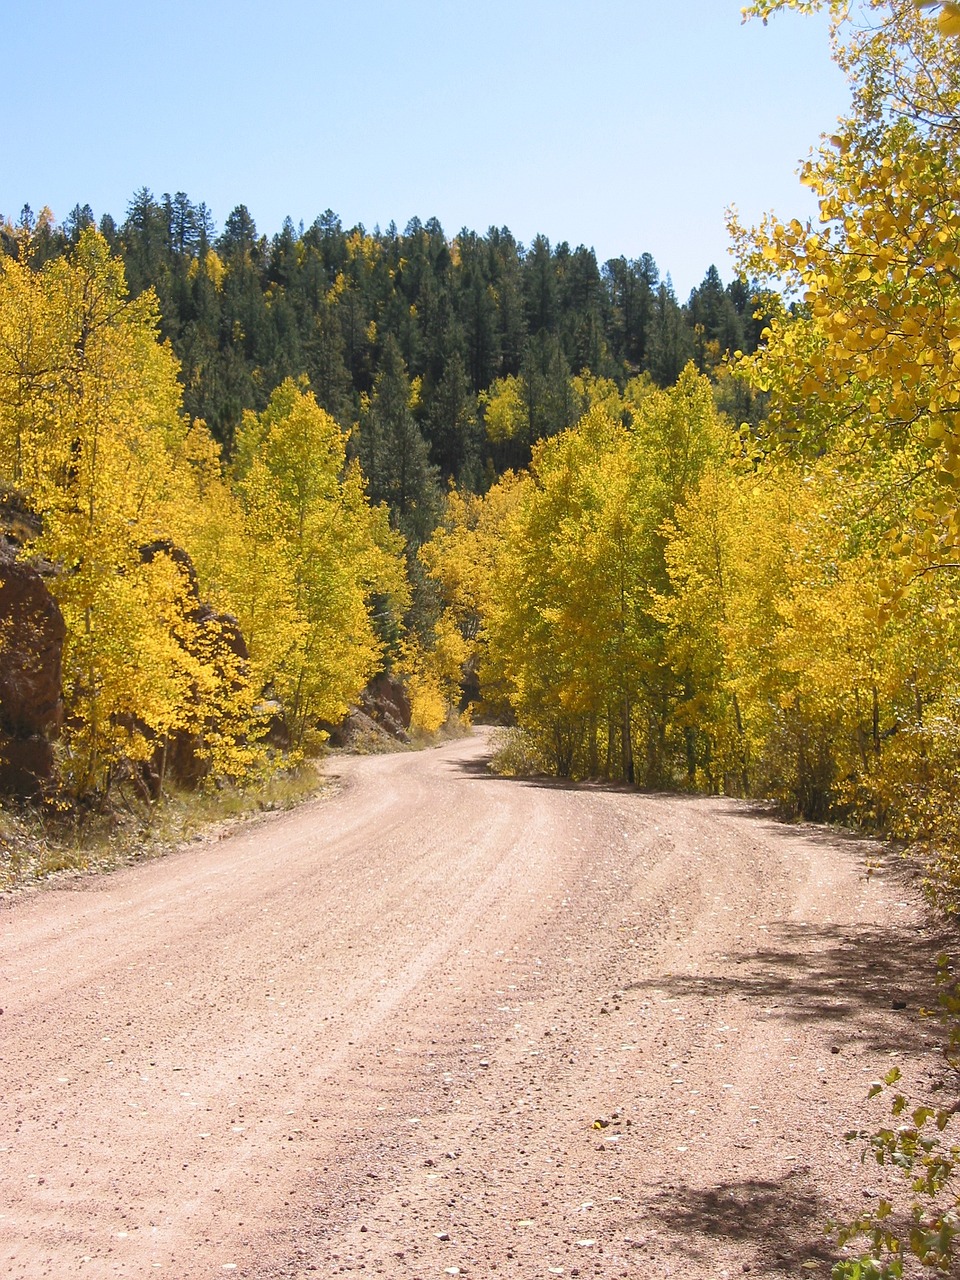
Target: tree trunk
[(628, 772)]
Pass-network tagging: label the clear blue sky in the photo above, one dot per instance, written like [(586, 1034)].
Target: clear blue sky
[(627, 125)]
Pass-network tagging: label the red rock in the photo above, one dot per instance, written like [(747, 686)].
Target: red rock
[(32, 632)]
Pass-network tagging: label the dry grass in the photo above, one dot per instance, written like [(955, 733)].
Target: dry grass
[(37, 844)]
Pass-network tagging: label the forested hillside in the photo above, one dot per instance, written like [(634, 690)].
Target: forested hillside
[(230, 448), (199, 600), (456, 328), (711, 545)]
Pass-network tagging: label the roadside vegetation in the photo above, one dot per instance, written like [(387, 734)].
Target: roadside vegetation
[(38, 842), (771, 607)]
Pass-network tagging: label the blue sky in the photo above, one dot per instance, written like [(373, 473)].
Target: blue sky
[(621, 124)]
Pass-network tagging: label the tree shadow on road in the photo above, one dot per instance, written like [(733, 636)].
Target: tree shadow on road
[(781, 1221), (479, 769), (867, 984)]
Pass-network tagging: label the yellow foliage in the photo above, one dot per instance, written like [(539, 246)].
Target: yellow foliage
[(91, 434), (432, 676), (461, 553), (214, 269), (592, 392), (310, 556), (97, 445), (504, 410), (566, 628)]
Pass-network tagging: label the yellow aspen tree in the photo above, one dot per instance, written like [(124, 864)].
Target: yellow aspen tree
[(432, 671), (89, 442), (864, 379), (316, 556), (570, 626), (91, 434), (727, 573), (460, 558), (870, 367)]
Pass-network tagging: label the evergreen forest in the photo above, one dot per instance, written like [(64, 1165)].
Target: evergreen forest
[(468, 330)]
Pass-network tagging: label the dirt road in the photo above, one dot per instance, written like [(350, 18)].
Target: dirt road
[(377, 1035)]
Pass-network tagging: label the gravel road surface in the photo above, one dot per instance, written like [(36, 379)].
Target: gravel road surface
[(444, 1023)]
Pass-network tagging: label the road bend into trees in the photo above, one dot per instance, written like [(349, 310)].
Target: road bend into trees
[(446, 1021)]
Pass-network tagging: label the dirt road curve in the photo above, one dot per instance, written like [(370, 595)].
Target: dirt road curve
[(375, 1035)]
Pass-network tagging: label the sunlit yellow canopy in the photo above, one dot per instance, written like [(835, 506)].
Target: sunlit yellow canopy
[(948, 19)]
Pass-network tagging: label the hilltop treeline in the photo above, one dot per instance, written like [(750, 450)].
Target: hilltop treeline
[(359, 312)]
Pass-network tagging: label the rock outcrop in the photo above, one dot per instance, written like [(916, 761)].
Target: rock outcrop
[(32, 632), (380, 719), (386, 703)]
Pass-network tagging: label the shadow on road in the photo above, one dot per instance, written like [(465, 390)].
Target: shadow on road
[(782, 1220), (869, 984), (479, 770)]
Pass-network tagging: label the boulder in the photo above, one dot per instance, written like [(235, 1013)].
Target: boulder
[(359, 732), (380, 718), (32, 632), (224, 628)]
